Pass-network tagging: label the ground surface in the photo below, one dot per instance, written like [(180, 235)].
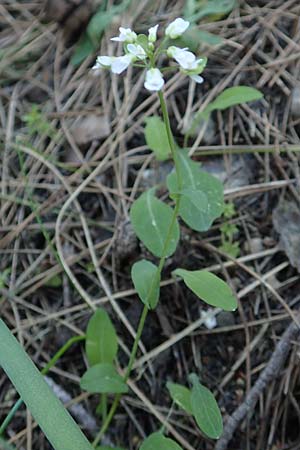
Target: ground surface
[(48, 155)]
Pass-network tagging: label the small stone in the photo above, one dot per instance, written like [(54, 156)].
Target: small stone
[(225, 319), (255, 245), (90, 128)]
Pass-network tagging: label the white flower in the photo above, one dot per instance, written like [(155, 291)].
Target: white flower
[(152, 34), (188, 62), (185, 58), (177, 28), (154, 80), (209, 318), (103, 62), (116, 64), (120, 63), (126, 35), (137, 51)]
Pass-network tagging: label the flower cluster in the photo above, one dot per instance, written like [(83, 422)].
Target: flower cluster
[(140, 50)]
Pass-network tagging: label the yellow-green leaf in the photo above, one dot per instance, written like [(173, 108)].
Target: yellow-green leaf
[(181, 395), (103, 379), (151, 219), (157, 441), (146, 280), (206, 410), (101, 343), (157, 138), (210, 288)]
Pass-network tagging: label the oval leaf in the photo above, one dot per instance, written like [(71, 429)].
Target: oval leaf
[(151, 219), (103, 379), (181, 395), (146, 279), (101, 343), (202, 198), (232, 96), (157, 441), (209, 288), (157, 138), (206, 410)]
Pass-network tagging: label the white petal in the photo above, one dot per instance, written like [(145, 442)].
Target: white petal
[(197, 78), (177, 28), (210, 320), (120, 63), (126, 35), (154, 80), (152, 33), (105, 61), (136, 50)]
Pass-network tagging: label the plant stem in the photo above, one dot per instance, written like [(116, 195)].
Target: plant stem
[(145, 311), (166, 118)]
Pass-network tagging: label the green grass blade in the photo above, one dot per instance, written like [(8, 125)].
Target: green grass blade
[(57, 424)]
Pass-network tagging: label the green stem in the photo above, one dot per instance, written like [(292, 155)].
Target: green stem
[(170, 137), (45, 370), (145, 311)]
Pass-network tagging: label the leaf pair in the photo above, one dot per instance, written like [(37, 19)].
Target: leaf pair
[(201, 193), (200, 403), (101, 347)]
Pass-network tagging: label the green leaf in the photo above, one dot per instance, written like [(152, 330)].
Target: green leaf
[(202, 194), (202, 8), (98, 24), (83, 49), (181, 395), (193, 38), (209, 38), (106, 447), (101, 344), (157, 138), (103, 379), (206, 410), (146, 281), (142, 40), (157, 441), (57, 424), (91, 38), (230, 97), (151, 219), (209, 288)]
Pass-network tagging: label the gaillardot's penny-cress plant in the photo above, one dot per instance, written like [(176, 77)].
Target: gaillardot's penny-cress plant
[(195, 198)]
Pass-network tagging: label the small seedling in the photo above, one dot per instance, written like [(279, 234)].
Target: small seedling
[(228, 231)]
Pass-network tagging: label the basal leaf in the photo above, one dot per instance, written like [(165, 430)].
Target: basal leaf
[(232, 96), (209, 288), (101, 342), (157, 441), (202, 194), (157, 138), (103, 379), (206, 410), (151, 219), (146, 280), (181, 395)]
